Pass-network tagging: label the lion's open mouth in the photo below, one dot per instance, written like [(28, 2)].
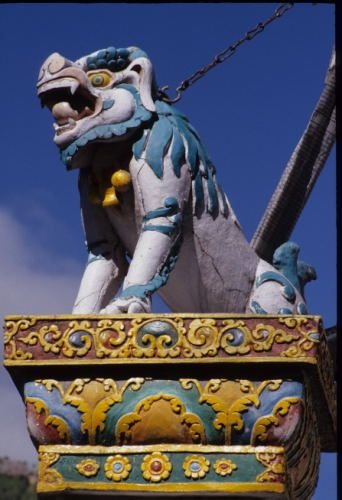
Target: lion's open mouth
[(68, 101)]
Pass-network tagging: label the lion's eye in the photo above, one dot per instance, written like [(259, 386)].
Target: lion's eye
[(101, 79)]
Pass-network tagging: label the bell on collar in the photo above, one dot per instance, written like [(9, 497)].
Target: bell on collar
[(110, 197)]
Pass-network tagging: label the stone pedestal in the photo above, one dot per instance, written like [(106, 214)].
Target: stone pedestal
[(176, 404)]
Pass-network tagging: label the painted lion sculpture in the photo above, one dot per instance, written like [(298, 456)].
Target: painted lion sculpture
[(154, 215)]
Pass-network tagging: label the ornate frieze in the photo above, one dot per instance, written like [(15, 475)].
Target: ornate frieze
[(189, 337), (179, 403), (142, 411), (164, 469)]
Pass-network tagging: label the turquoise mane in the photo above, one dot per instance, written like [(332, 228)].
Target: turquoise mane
[(167, 131), (172, 134)]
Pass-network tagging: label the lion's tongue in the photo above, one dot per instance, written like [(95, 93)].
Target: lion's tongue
[(62, 111)]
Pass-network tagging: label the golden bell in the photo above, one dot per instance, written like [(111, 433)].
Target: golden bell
[(110, 198), (121, 180)]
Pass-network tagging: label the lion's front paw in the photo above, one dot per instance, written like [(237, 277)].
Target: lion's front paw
[(127, 305)]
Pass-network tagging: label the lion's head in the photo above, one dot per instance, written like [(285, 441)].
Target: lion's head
[(110, 96), (104, 96)]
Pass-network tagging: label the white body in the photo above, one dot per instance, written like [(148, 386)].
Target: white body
[(100, 113)]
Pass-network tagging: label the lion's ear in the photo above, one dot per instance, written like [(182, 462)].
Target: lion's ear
[(143, 67)]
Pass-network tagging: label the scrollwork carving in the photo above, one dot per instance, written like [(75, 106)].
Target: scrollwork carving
[(162, 338)]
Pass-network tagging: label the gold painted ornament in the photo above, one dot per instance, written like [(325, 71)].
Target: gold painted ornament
[(195, 466), (88, 467), (103, 191), (156, 467), (121, 180), (224, 467), (110, 197), (117, 468)]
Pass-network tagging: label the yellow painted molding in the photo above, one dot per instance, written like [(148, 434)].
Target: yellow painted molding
[(162, 361), (165, 488), (171, 448)]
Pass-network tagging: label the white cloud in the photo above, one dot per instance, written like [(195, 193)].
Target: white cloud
[(33, 281), (27, 287)]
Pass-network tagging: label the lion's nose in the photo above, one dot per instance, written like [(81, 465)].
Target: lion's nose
[(53, 64)]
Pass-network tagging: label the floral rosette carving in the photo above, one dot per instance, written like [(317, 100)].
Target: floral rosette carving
[(195, 466), (117, 468), (156, 467), (88, 467), (224, 467)]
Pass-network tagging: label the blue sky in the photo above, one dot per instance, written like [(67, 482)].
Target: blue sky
[(249, 111)]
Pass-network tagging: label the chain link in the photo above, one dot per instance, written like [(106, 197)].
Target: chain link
[(224, 55)]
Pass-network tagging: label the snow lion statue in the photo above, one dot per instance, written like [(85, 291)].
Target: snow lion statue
[(154, 215)]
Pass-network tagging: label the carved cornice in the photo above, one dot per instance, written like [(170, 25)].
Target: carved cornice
[(172, 338)]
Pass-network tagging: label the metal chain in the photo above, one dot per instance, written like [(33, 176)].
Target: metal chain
[(225, 54)]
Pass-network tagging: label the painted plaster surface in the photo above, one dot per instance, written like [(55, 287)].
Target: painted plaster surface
[(152, 208), (175, 403), (178, 403)]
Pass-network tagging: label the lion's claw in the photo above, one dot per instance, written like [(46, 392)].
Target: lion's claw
[(127, 305)]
